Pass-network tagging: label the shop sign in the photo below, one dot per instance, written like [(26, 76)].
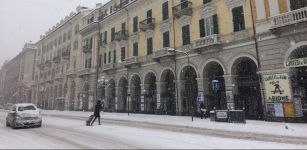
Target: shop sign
[(277, 88), (297, 62), (221, 114)]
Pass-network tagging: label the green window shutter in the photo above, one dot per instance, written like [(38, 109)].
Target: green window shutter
[(202, 28), (215, 24)]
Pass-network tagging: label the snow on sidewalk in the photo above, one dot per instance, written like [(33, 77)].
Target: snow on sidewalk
[(262, 127)]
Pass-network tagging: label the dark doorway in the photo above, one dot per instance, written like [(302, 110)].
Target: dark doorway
[(135, 94), (248, 97), (150, 94)]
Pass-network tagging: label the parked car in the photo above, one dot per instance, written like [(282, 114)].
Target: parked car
[(24, 115)]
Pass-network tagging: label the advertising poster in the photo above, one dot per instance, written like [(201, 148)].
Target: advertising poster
[(158, 101), (271, 109), (279, 111), (200, 97), (229, 96), (289, 109), (277, 88), (298, 106)]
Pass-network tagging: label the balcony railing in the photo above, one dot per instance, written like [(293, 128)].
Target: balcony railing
[(66, 54), (85, 71), (207, 41), (87, 49), (162, 53), (57, 59), (131, 61), (184, 8), (289, 18), (121, 35), (121, 5), (71, 73), (48, 63), (59, 76), (109, 66), (147, 24), (102, 16)]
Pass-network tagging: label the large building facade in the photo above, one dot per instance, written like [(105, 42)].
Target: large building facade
[(57, 62), (168, 56)]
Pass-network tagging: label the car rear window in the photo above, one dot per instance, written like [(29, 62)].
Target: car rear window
[(23, 108)]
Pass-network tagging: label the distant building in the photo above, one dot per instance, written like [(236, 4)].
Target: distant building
[(16, 76)]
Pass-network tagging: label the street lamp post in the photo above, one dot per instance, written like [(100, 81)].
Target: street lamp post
[(190, 89)]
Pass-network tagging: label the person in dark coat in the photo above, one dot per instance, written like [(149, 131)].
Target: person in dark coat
[(98, 109), (202, 110)]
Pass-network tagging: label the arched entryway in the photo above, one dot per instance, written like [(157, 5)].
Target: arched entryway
[(110, 100), (168, 93), (248, 96), (190, 91), (122, 94), (150, 93), (214, 98), (135, 89), (298, 76)]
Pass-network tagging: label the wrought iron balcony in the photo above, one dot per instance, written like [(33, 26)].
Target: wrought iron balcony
[(121, 35), (57, 59), (121, 5), (110, 66), (66, 54), (85, 71), (102, 16), (87, 49), (289, 18), (147, 24), (59, 76), (162, 53), (184, 8), (48, 63), (131, 61), (71, 73), (207, 41)]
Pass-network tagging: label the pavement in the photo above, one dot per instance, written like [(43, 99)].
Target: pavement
[(292, 133)]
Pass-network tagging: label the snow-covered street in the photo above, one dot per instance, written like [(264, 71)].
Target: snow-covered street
[(71, 133)]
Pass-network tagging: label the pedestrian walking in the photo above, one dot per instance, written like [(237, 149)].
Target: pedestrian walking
[(98, 109), (202, 110)]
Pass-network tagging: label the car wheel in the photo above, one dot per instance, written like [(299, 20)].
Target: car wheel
[(39, 125), (14, 125)]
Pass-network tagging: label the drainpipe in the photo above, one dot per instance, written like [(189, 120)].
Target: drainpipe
[(174, 42), (258, 59)]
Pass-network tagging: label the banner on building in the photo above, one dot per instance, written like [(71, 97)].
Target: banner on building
[(297, 62), (277, 88), (200, 97)]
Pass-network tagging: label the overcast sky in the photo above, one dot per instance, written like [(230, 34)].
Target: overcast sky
[(25, 20)]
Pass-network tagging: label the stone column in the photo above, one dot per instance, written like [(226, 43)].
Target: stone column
[(160, 88), (180, 87), (118, 98), (231, 88)]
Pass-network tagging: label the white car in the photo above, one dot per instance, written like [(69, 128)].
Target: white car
[(24, 115)]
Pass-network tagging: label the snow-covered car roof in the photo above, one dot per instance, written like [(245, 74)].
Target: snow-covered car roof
[(24, 104)]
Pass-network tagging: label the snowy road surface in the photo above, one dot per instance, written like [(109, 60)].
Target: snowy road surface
[(68, 133)]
